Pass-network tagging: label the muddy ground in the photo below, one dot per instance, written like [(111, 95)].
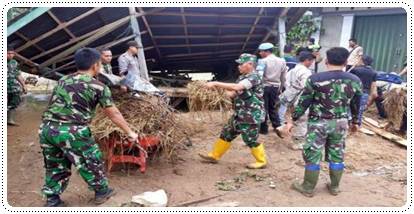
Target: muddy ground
[(376, 172)]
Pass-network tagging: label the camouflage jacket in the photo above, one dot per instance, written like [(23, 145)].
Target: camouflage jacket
[(13, 72), (75, 98), (249, 104), (107, 68), (330, 95)]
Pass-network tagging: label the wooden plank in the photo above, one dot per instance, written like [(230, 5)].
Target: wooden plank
[(174, 92), (56, 29), (275, 24), (252, 29), (366, 131), (144, 19), (372, 122), (389, 136)]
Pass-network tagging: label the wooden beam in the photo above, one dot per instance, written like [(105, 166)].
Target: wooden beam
[(205, 26), (27, 39), (252, 28), (26, 60), (102, 32), (202, 53), (203, 44), (187, 40), (105, 30), (207, 36), (282, 34), (70, 42), (150, 33), (211, 15), (32, 15), (137, 37), (56, 29), (284, 12), (60, 23)]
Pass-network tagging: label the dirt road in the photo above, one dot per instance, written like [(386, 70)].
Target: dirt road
[(375, 174)]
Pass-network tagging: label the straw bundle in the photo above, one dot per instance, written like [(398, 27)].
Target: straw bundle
[(203, 99), (147, 116), (395, 105)]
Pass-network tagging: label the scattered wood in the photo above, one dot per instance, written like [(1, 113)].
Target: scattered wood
[(366, 131), (387, 135), (197, 201), (372, 122), (223, 204)]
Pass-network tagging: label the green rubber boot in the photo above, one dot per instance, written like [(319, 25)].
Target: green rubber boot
[(309, 182), (335, 176), (11, 118)]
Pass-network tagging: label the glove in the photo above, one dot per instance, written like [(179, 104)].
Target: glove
[(132, 137)]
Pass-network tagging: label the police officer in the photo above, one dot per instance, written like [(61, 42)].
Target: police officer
[(274, 71), (15, 86), (329, 96), (247, 94), (65, 137)]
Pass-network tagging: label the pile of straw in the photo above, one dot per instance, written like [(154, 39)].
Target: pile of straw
[(203, 99), (147, 116), (395, 105)]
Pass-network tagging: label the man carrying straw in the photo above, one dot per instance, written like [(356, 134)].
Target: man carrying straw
[(249, 113)]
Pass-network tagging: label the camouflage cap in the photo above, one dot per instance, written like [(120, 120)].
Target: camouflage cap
[(245, 57)]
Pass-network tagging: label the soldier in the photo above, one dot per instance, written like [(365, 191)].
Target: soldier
[(106, 58), (247, 95), (329, 96), (274, 70), (15, 86), (65, 137)]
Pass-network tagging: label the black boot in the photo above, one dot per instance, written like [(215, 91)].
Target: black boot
[(102, 196), (264, 129), (54, 201)]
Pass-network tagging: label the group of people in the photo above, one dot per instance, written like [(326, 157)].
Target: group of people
[(322, 101), (328, 103)]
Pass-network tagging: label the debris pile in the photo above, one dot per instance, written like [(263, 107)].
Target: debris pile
[(395, 105), (147, 116), (203, 99)]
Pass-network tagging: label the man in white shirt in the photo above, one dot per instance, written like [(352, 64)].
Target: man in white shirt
[(136, 79), (295, 82), (274, 70), (355, 54)]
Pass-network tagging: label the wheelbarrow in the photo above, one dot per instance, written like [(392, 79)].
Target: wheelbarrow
[(123, 151)]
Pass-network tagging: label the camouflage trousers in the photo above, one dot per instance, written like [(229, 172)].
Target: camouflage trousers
[(325, 134), (249, 132), (66, 145), (13, 100)]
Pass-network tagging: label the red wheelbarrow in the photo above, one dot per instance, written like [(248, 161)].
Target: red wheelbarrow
[(136, 151)]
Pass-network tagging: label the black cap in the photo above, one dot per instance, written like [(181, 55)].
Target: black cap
[(133, 44)]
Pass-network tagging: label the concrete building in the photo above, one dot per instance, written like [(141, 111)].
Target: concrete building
[(382, 32)]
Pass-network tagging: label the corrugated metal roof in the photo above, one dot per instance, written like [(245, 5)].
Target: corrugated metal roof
[(173, 38)]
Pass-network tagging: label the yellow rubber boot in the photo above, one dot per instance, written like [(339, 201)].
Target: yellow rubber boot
[(219, 148), (259, 154)]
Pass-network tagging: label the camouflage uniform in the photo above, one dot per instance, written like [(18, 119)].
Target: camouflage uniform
[(248, 112), (14, 89), (107, 68), (65, 137), (329, 95)]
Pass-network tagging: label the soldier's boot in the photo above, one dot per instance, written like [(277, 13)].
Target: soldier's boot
[(220, 147), (54, 201), (335, 173), (309, 182), (259, 154), (264, 128), (11, 118), (102, 196)]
